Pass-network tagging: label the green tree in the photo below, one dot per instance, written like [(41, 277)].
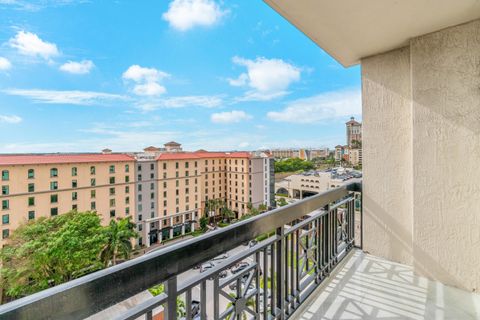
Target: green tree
[(49, 251), (203, 223), (293, 164), (282, 202), (119, 235)]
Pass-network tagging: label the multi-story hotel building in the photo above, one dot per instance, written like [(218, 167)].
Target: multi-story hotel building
[(164, 189), (354, 132)]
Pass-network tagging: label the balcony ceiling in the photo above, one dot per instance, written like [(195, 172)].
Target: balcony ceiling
[(352, 29)]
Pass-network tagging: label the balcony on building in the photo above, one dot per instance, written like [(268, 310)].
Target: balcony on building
[(402, 244)]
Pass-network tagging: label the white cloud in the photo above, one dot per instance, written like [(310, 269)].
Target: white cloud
[(4, 64), (65, 97), (267, 78), (187, 14), (230, 116), (325, 106), (10, 119), (243, 144), (182, 102), (30, 44), (82, 67), (146, 80)]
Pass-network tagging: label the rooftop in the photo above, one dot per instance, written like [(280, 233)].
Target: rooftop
[(59, 158)]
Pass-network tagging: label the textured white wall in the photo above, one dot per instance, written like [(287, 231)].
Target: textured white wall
[(387, 155), (421, 127), (446, 155)]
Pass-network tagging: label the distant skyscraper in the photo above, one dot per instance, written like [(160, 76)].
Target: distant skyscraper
[(354, 132)]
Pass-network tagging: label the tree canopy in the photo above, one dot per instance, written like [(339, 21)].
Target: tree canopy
[(49, 251), (293, 164)]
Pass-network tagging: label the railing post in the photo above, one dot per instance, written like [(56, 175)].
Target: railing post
[(171, 305), (280, 256)]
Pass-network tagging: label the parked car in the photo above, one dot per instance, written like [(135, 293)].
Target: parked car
[(239, 267), (252, 243), (223, 256), (206, 266), (223, 274)]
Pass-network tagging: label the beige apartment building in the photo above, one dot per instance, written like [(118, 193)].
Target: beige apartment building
[(180, 184), (165, 190), (35, 186)]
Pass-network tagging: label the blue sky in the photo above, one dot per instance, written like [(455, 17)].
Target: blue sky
[(231, 75)]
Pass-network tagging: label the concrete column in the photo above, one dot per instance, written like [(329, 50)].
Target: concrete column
[(147, 233), (171, 227), (160, 233), (183, 224)]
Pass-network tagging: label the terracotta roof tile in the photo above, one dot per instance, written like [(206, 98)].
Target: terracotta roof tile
[(21, 159)]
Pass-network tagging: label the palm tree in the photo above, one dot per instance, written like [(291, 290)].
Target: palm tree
[(118, 240)]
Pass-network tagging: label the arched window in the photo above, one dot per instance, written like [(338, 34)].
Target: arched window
[(54, 172), (5, 175), (31, 174)]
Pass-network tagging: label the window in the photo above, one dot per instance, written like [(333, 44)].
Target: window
[(54, 198), (112, 191), (31, 215), (186, 165), (31, 174), (127, 211), (139, 197), (112, 213), (112, 180), (127, 168), (92, 170), (53, 185), (93, 194), (127, 179), (152, 166), (31, 201), (112, 202), (5, 233), (74, 207), (31, 187), (74, 171), (5, 219), (165, 184), (127, 200), (5, 204), (53, 172), (139, 168), (139, 177), (164, 175), (164, 166), (74, 196), (111, 169), (53, 211), (176, 165), (152, 195), (74, 183), (92, 182), (152, 186), (127, 189), (5, 190), (93, 205), (5, 175), (152, 176)]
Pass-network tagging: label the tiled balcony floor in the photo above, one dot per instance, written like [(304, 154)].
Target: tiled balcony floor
[(368, 287)]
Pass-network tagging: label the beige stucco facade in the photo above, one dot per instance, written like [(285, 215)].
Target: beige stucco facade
[(73, 187), (421, 188)]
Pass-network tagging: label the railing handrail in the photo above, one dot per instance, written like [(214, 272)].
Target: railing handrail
[(92, 293)]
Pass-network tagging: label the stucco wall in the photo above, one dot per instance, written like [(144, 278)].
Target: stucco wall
[(446, 155), (421, 127), (387, 155)]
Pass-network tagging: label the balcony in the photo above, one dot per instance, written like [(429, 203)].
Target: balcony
[(308, 266)]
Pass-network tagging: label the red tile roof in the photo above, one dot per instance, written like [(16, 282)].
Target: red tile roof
[(20, 159), (202, 155)]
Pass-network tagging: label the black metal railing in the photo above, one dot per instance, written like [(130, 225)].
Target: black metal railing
[(266, 280)]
